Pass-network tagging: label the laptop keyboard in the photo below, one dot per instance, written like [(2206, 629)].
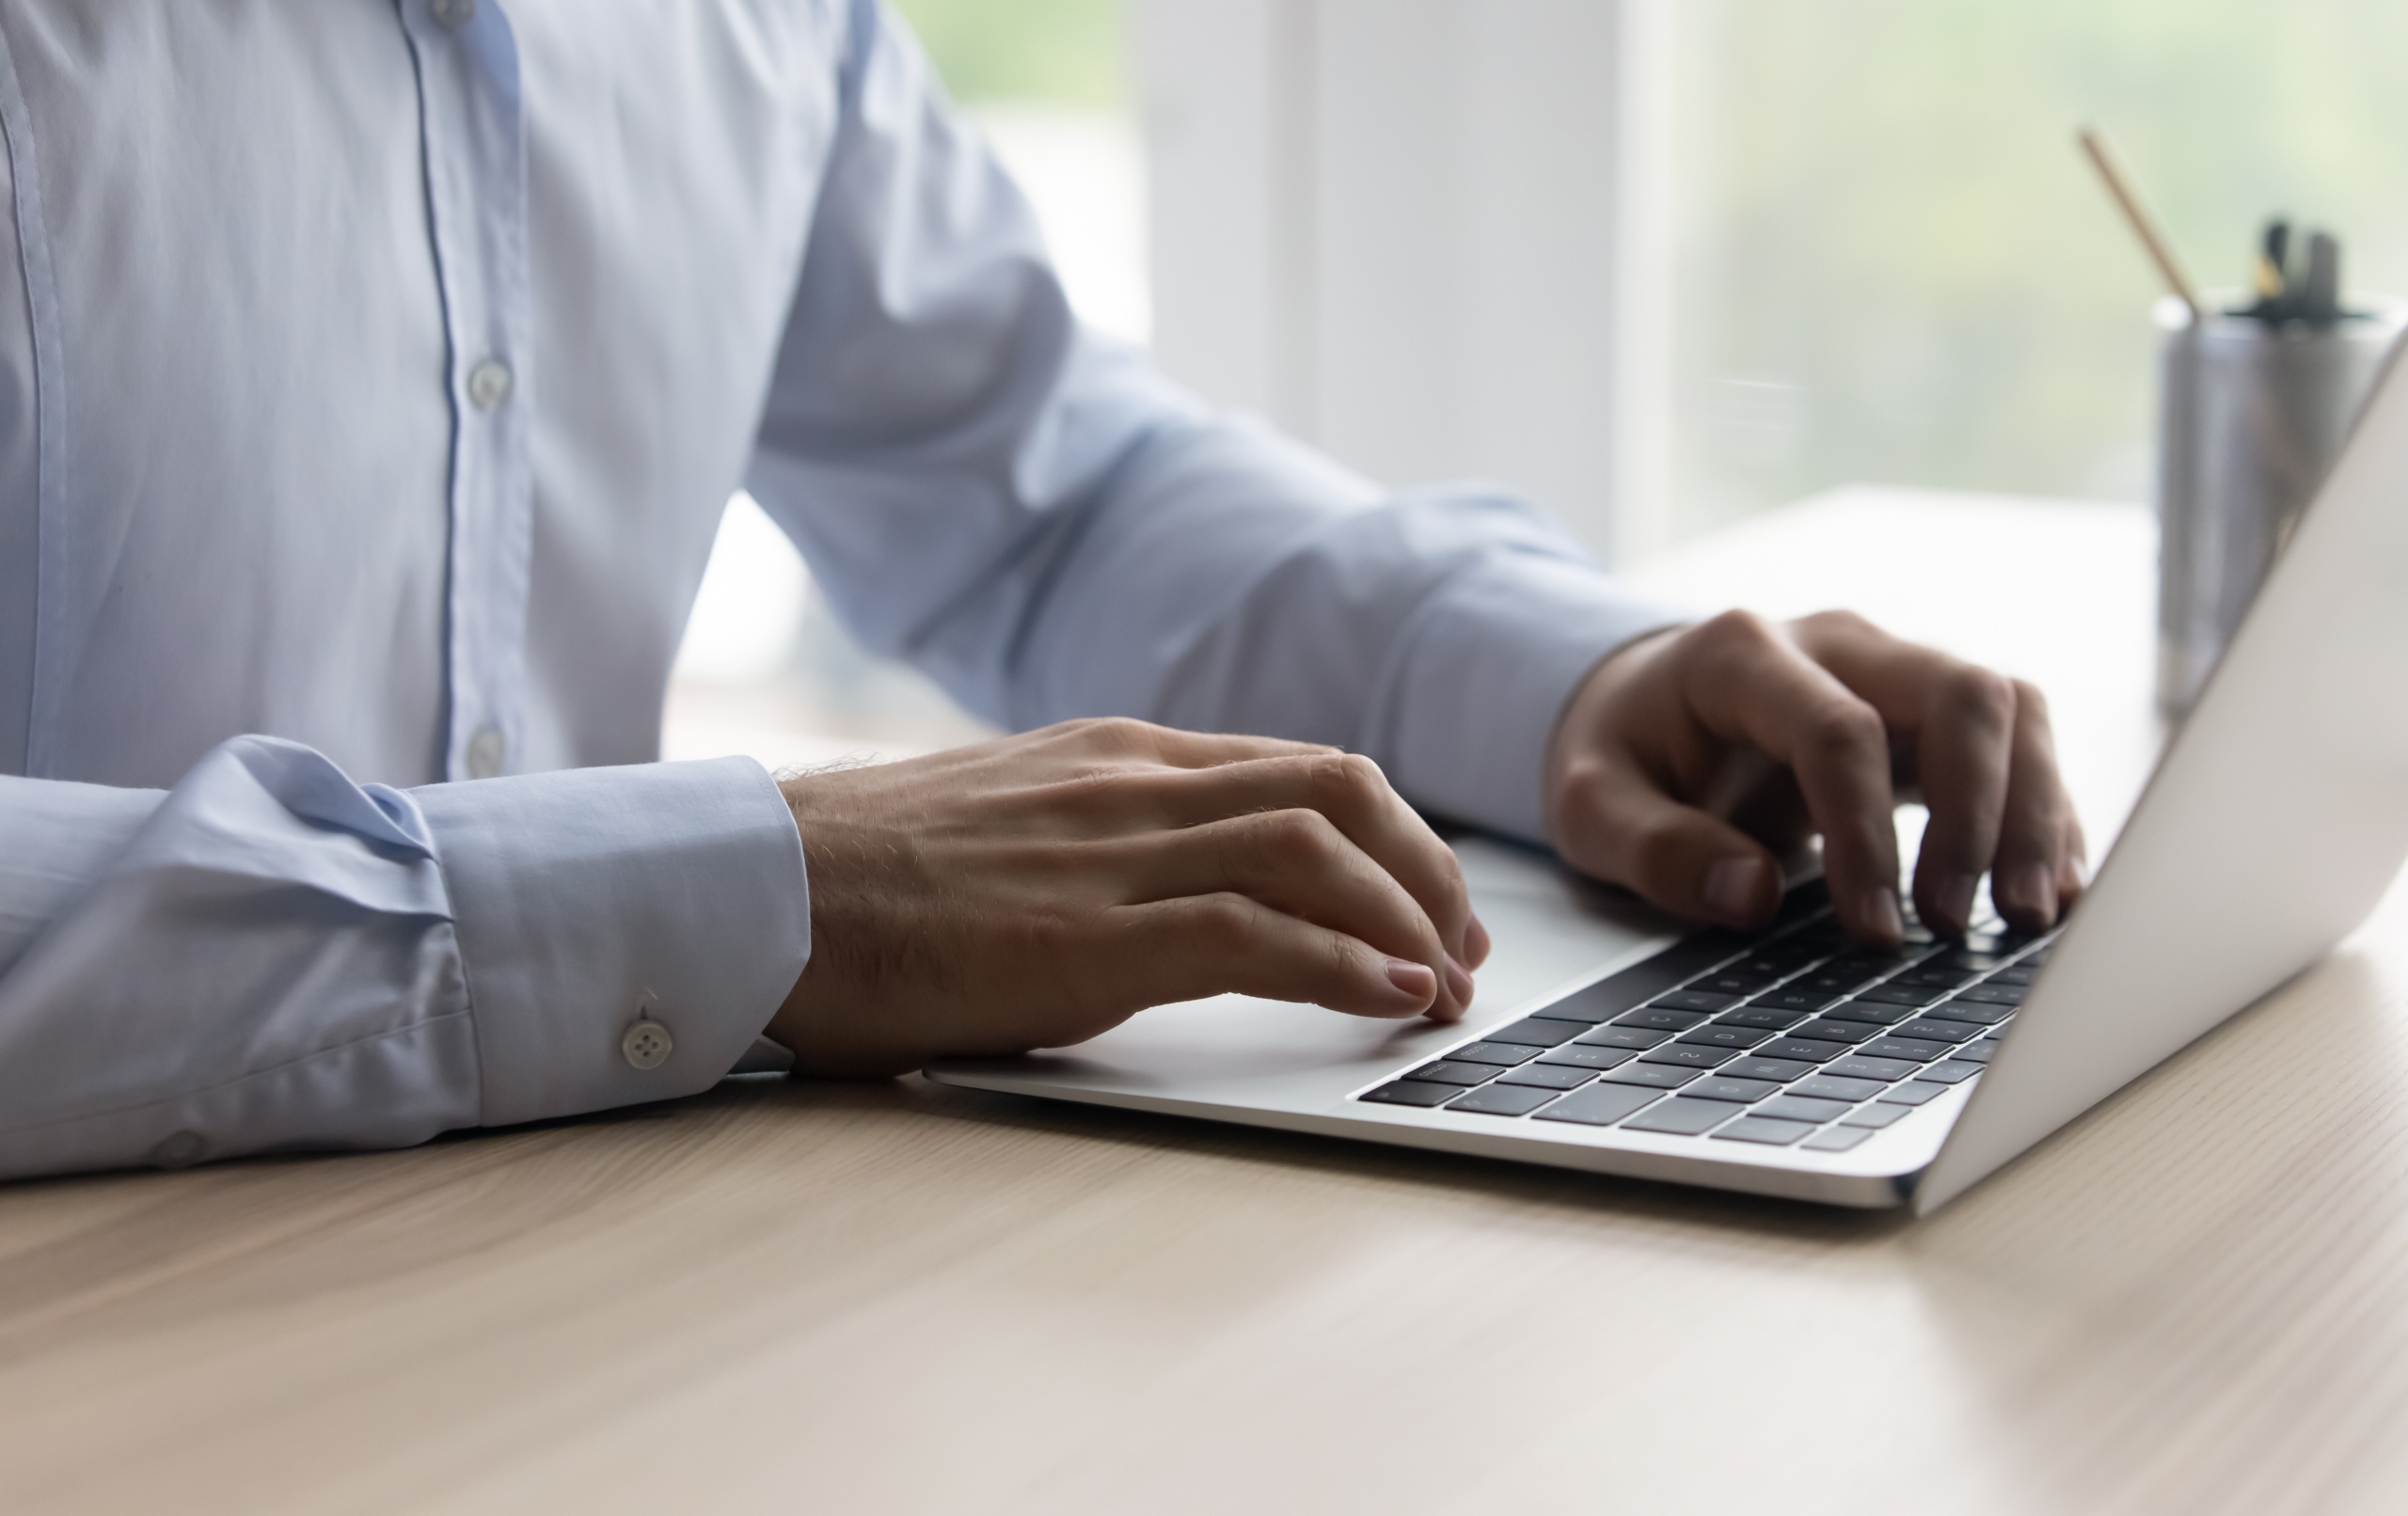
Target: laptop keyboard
[(1794, 1035)]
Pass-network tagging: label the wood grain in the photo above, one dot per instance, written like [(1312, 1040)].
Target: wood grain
[(787, 1296)]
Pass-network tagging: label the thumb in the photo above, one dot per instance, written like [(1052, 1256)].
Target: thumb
[(1679, 858)]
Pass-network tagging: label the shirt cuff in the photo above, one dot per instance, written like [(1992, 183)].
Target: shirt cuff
[(590, 899), (1485, 668)]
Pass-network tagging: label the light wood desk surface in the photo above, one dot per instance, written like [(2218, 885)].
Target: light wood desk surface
[(899, 1298)]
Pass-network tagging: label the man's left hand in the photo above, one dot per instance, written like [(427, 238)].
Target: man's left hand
[(1683, 755)]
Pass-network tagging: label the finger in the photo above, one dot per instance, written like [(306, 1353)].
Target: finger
[(1749, 683), (1226, 943), (1122, 737), (1963, 720), (1350, 791), (2039, 832), (1616, 824), (1297, 862)]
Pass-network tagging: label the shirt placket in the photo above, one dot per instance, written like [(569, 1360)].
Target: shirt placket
[(475, 149)]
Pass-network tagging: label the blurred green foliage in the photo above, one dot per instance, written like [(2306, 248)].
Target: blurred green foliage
[(1064, 51), (1894, 266)]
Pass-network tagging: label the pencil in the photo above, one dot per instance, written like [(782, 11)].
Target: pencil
[(2160, 250)]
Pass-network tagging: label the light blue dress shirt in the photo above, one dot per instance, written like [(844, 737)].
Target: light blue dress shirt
[(373, 377)]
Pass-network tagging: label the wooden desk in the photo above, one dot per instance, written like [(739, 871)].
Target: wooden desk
[(896, 1298)]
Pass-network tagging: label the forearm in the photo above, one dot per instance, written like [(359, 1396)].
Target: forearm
[(1234, 581)]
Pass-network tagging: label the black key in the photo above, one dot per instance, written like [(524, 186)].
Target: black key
[(1794, 998), (1741, 1090), (1663, 1017), (1688, 1055), (1444, 1072), (1915, 1048), (1770, 965), (1955, 1072), (1682, 1117), (1762, 1016), (1812, 1052), (1825, 1028), (1837, 1140), (1914, 1092), (1503, 1054), (1717, 1034), (1894, 993), (1541, 1077), (2016, 974), (1960, 1010), (1929, 1030), (1987, 943), (1888, 1070), (1599, 1105), (1780, 1070), (1580, 1055), (1564, 1010), (1971, 960), (1939, 975), (1755, 1129), (1825, 1087), (1653, 1076), (2037, 959), (1531, 1031), (1844, 974), (1873, 1012), (1798, 1108), (1735, 981), (1696, 999), (1503, 1100), (1642, 981), (1636, 1038), (1976, 1052), (1406, 1092), (1874, 1117), (1869, 962), (1996, 994)]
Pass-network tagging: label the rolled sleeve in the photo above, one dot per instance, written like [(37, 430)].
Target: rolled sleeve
[(588, 900)]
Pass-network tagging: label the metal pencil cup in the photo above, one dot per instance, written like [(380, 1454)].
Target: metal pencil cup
[(2253, 416)]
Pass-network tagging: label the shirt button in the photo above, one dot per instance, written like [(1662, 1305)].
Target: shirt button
[(451, 14), (179, 1151), (647, 1044), (486, 750), (488, 383)]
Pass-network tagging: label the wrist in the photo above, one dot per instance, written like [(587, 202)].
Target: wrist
[(1579, 714)]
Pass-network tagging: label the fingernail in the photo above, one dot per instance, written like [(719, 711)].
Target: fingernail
[(1475, 943), (1733, 885), (1957, 898), (1414, 979), (1881, 910), (1458, 981), (2029, 888)]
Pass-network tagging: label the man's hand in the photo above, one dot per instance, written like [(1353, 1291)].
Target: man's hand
[(1034, 891), (1683, 755)]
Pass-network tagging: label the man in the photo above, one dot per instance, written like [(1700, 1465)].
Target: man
[(374, 376)]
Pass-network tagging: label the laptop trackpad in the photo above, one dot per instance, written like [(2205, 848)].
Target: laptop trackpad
[(1550, 931)]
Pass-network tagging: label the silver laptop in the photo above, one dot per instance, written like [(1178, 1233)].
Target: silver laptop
[(1790, 1063)]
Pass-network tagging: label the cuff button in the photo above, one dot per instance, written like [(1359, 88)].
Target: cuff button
[(179, 1151), (647, 1044)]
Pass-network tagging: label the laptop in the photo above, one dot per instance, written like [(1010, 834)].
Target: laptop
[(1794, 1063)]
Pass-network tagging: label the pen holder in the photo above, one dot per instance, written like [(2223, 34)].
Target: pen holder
[(2252, 415)]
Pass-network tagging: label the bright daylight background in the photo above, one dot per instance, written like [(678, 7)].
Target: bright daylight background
[(1888, 265)]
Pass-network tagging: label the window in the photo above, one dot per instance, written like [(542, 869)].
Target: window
[(1890, 263)]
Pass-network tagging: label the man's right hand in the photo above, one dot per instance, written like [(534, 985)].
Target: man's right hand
[(1038, 890)]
